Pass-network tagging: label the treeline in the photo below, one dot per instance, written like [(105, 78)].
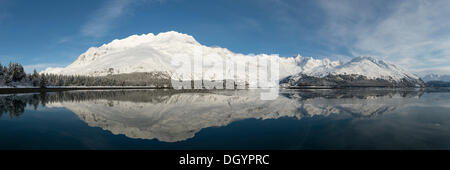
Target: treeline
[(14, 75), (131, 79), (437, 84), (77, 80)]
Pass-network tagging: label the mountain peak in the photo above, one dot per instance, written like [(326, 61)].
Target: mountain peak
[(175, 37), (156, 53), (374, 60), (144, 41), (368, 58), (161, 38)]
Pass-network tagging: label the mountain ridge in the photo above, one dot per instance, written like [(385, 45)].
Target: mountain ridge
[(436, 77), (156, 53)]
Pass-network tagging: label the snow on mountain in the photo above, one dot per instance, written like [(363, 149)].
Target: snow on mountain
[(360, 71), (157, 53), (436, 77), (370, 67)]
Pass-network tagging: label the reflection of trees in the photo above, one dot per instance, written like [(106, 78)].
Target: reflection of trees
[(43, 98), (358, 93), (169, 116), (35, 101), (15, 104), (181, 116), (142, 96)]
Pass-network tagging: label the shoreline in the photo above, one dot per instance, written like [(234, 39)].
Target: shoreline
[(14, 90), (350, 87), (59, 89)]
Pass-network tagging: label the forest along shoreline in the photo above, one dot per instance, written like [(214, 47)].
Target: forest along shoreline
[(14, 79), (14, 90), (61, 89)]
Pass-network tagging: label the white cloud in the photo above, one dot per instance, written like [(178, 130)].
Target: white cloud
[(108, 15), (413, 33), (103, 19), (41, 66)]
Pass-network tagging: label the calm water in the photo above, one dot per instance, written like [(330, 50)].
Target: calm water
[(166, 119)]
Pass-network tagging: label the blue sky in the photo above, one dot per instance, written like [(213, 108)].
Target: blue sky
[(414, 34)]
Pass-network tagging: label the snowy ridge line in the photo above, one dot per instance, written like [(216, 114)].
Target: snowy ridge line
[(157, 53), (436, 77)]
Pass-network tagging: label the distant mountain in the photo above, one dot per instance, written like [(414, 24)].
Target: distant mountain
[(436, 77), (360, 71), (158, 53), (437, 84)]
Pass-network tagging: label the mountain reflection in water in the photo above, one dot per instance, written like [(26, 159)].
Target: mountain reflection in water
[(172, 116)]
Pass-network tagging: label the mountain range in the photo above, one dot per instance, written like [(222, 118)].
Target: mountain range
[(436, 77), (158, 53)]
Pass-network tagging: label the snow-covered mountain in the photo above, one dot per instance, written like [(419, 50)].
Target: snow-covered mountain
[(158, 53), (360, 71), (436, 77), (370, 67), (161, 53)]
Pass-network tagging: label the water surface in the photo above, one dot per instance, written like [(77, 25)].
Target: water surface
[(168, 119)]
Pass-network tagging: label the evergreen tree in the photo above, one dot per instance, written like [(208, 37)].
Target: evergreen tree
[(20, 73), (43, 81), (16, 72), (35, 78), (7, 75), (2, 75)]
